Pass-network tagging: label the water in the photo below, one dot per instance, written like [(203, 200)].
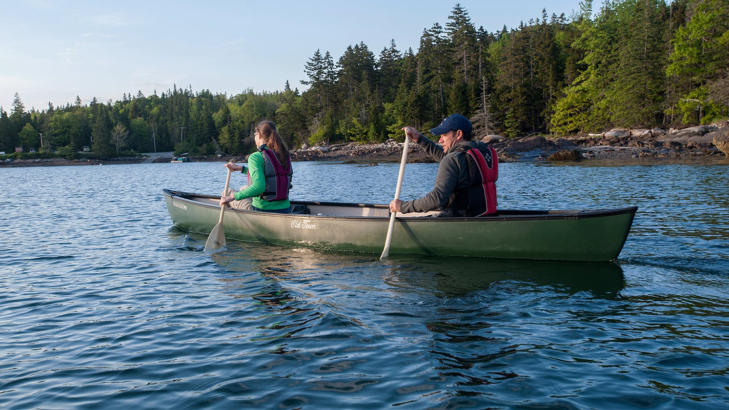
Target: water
[(104, 305)]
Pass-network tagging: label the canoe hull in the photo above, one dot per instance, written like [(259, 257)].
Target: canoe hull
[(567, 235)]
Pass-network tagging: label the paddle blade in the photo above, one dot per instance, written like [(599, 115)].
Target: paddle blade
[(216, 239)]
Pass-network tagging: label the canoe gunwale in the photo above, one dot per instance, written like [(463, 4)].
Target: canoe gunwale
[(511, 215)]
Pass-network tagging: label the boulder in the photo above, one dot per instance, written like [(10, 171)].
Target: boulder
[(698, 130), (529, 143), (617, 133), (490, 139), (721, 139), (641, 133), (563, 143)]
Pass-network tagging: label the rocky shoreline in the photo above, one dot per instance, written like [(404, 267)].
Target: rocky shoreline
[(616, 144), (620, 143)]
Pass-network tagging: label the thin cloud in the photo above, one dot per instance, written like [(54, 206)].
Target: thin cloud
[(239, 42), (99, 35), (8, 81), (69, 52), (112, 20), (43, 5)]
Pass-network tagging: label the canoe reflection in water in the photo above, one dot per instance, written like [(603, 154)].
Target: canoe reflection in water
[(446, 276), (452, 276), (317, 324)]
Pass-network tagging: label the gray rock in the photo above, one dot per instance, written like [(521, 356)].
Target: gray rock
[(721, 139), (528, 143), (641, 133), (698, 130), (489, 139), (617, 133)]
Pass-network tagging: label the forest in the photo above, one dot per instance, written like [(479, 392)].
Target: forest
[(630, 63)]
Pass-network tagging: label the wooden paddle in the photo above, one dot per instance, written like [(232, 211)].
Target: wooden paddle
[(386, 251), (217, 235)]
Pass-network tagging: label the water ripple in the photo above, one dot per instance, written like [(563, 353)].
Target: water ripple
[(107, 306)]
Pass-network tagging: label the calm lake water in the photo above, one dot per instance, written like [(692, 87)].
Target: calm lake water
[(103, 304)]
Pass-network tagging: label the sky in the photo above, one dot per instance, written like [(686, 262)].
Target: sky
[(53, 51)]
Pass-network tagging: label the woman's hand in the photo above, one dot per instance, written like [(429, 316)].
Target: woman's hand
[(412, 133), (234, 167), (225, 199)]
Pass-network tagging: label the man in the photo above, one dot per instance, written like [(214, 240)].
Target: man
[(464, 185)]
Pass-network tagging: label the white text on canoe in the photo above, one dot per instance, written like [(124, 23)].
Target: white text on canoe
[(302, 224)]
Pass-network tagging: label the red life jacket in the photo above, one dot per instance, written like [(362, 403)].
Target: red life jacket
[(479, 198), (278, 177)]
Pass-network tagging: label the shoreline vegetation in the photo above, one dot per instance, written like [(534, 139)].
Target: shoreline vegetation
[(651, 67), (617, 144)]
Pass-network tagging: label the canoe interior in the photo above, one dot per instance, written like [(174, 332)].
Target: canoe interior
[(340, 209)]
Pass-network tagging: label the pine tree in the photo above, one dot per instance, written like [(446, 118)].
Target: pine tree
[(7, 136), (634, 97), (701, 55), (315, 70), (102, 145), (388, 66), (583, 107)]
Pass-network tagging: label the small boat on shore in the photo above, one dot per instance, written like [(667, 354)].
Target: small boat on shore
[(587, 235), (180, 159)]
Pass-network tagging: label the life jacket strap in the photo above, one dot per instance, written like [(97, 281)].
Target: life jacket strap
[(486, 174)]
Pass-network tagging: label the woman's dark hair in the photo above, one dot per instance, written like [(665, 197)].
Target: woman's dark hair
[(268, 133)]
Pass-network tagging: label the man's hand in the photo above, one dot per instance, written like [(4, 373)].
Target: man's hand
[(395, 205), (412, 133)]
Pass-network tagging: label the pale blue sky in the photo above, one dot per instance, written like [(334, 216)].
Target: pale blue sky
[(54, 51)]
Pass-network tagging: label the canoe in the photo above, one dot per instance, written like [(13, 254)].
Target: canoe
[(580, 235)]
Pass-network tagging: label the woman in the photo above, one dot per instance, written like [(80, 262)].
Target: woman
[(269, 173)]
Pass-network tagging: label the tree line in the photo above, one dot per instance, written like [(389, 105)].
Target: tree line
[(632, 63)]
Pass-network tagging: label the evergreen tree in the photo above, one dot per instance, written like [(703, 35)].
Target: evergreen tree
[(315, 70), (583, 107), (633, 97), (388, 66), (7, 136), (102, 144), (462, 35), (18, 116), (701, 54)]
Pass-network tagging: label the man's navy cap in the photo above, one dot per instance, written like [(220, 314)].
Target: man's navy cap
[(453, 123)]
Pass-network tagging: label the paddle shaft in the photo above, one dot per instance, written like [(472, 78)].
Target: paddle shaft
[(225, 192), (216, 239), (388, 239)]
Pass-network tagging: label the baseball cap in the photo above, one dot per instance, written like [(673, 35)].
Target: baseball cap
[(453, 123)]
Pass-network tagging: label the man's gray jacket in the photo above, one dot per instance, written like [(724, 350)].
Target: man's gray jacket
[(452, 176)]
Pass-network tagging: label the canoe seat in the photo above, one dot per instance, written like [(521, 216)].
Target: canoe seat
[(300, 209)]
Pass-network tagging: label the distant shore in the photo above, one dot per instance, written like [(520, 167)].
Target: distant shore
[(617, 144)]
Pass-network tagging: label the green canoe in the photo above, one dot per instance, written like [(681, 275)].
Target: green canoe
[(592, 235)]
